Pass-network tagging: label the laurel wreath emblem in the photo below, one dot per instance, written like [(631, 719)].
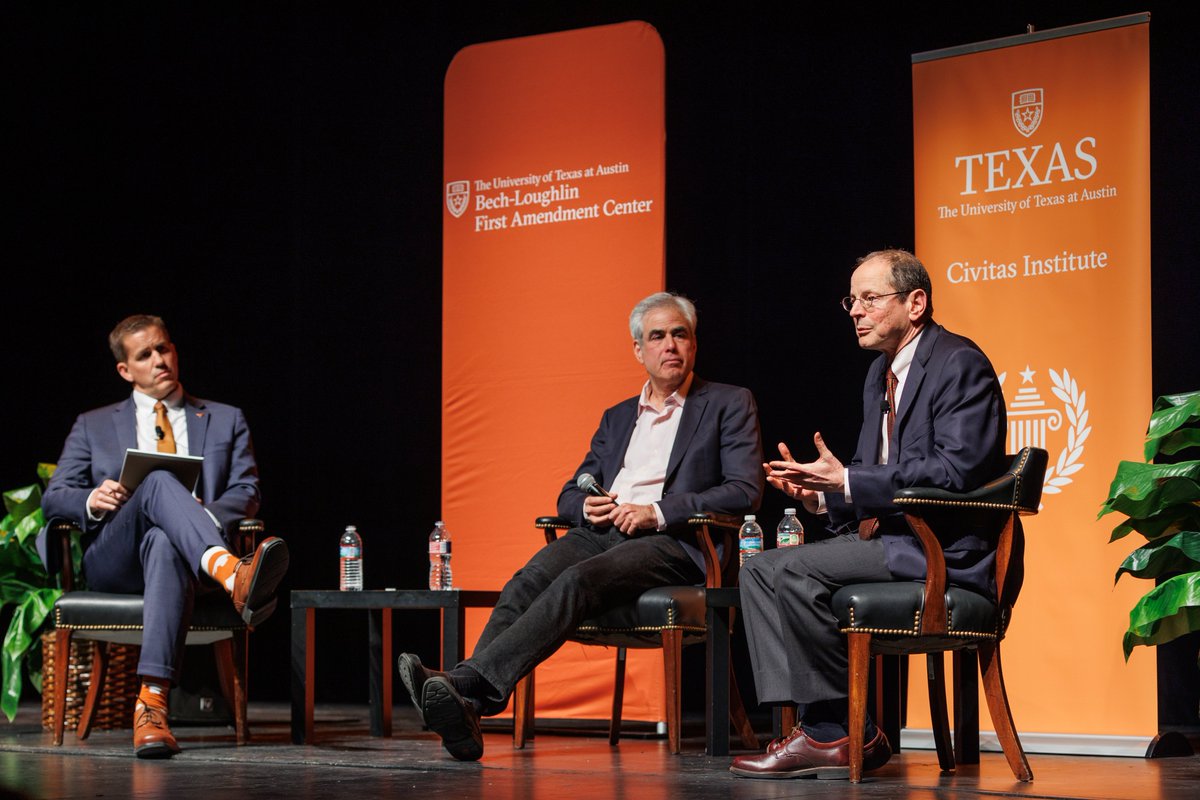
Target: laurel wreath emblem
[(1075, 407), (1074, 402)]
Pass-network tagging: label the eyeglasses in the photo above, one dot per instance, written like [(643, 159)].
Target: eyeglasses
[(867, 301)]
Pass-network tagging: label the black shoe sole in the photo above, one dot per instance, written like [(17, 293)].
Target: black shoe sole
[(261, 600), (447, 715), (411, 674)]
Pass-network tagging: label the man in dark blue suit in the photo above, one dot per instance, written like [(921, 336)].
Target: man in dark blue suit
[(682, 446), (933, 415), (159, 538)]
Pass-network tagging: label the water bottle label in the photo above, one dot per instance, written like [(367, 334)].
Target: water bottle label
[(439, 548), (750, 543), (349, 552), (787, 540)]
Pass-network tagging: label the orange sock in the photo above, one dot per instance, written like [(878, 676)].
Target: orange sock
[(219, 564), (154, 693)]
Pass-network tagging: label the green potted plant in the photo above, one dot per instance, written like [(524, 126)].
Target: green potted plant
[(25, 585), (1162, 502)]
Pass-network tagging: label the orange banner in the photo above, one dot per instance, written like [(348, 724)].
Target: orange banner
[(1033, 217), (552, 230)]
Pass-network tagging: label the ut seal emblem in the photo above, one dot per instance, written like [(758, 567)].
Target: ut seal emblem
[(457, 195), (1027, 111), (1033, 422)]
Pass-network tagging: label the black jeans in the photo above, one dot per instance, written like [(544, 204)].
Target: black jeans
[(575, 577)]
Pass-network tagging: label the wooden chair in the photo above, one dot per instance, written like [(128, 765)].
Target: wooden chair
[(931, 618), (669, 617), (106, 618)]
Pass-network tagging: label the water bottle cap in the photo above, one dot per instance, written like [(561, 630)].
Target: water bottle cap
[(749, 518), (789, 512), (439, 524), (351, 529)]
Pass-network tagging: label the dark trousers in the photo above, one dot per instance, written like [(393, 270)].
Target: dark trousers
[(797, 652), (569, 580), (152, 546)]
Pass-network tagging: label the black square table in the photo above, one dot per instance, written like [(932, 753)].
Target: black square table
[(379, 603)]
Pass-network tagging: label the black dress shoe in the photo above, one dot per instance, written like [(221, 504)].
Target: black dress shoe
[(797, 756), (413, 675), (453, 717)]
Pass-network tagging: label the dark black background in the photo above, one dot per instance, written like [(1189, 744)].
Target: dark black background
[(268, 178)]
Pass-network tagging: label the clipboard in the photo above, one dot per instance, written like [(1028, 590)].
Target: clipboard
[(140, 463)]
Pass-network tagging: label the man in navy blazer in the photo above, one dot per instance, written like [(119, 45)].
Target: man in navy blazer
[(933, 415), (159, 538), (682, 446)]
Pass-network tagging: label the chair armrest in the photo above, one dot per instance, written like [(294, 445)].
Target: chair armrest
[(58, 539), (60, 531), (715, 566), (704, 524), (550, 526), (1018, 490), (247, 536)]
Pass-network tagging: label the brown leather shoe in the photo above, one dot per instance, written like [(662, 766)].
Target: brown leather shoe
[(152, 738), (257, 577), (797, 756)]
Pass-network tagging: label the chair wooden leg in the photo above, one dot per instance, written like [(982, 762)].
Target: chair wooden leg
[(618, 701), (966, 707), (890, 692), (62, 655), (936, 673), (997, 700), (787, 719), (95, 689), (231, 671), (523, 711), (673, 668), (737, 713), (859, 647)]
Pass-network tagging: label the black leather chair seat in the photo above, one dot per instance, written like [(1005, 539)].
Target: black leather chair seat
[(891, 612), (119, 616), (641, 624)]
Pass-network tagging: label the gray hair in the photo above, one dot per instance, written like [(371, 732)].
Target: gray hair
[(908, 274), (670, 300)]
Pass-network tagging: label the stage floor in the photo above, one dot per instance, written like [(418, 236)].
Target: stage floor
[(347, 762)]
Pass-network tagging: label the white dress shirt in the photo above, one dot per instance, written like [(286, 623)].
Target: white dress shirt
[(644, 471)]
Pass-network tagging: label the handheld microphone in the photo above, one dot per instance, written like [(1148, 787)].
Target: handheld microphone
[(587, 483), (158, 431)]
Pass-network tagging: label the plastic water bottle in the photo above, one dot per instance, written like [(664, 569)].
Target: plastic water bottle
[(440, 576), (790, 532), (350, 552), (750, 539)]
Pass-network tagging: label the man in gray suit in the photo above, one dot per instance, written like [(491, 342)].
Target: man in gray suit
[(682, 446), (933, 415), (159, 538)]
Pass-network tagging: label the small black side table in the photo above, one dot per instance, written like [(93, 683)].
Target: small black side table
[(379, 604)]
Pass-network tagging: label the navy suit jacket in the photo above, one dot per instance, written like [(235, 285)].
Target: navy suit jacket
[(715, 463), (95, 450), (949, 433)]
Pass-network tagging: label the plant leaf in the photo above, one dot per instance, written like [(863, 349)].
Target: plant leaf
[(1167, 522), (1140, 490), (1171, 413), (46, 471), (22, 502), (22, 634), (1180, 553), (1166, 612)]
